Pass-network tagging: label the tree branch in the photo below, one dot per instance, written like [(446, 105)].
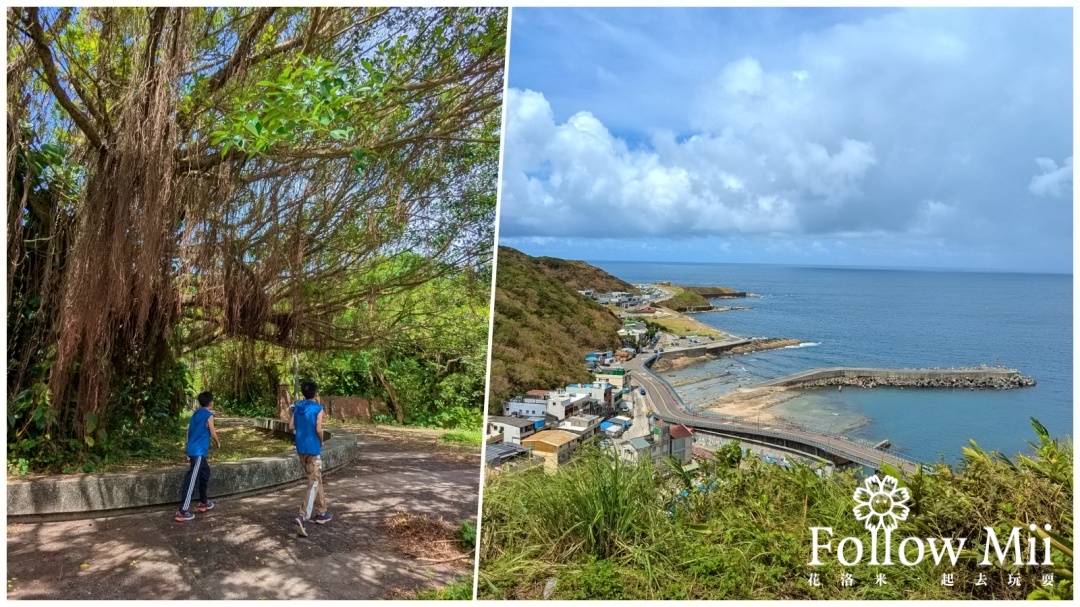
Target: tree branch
[(222, 76), (84, 122)]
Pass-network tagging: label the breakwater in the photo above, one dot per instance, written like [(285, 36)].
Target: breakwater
[(711, 308), (996, 378)]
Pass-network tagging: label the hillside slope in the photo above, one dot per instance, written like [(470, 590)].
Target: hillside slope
[(543, 327), (580, 276)]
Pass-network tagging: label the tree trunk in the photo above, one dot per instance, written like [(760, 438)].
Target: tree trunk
[(391, 396)]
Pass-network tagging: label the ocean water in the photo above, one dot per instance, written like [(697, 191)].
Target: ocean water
[(893, 318)]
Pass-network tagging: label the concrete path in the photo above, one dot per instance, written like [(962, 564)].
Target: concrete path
[(247, 548)]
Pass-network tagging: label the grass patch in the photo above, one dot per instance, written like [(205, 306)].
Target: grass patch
[(167, 448), (682, 326), (242, 442), (606, 530), (684, 299), (460, 589), (463, 437)]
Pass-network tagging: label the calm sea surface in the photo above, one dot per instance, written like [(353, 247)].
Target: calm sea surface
[(893, 318)]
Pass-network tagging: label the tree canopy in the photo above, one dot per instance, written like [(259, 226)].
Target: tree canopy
[(178, 177)]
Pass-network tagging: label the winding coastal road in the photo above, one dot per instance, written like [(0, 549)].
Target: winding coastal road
[(669, 407)]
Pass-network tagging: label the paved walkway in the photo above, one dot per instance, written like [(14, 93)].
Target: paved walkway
[(247, 548)]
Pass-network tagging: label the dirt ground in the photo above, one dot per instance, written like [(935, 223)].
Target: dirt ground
[(247, 548)]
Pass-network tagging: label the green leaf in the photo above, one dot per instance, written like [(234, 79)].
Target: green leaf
[(893, 472), (339, 133)]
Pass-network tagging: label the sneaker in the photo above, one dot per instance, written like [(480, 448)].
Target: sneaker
[(300, 523), (323, 518), (207, 505), (183, 515)]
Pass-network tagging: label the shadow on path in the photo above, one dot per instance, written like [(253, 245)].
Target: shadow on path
[(247, 548)]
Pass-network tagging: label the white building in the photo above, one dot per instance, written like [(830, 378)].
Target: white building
[(586, 425), (525, 406), (513, 429)]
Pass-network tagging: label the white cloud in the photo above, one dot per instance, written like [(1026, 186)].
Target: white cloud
[(915, 126), (576, 178), (1054, 181), (709, 184)]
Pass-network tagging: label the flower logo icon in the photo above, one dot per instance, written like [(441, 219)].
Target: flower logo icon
[(881, 504)]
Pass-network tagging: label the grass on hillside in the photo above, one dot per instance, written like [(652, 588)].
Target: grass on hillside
[(542, 329), (682, 326), (684, 299), (703, 290), (579, 276), (605, 529)]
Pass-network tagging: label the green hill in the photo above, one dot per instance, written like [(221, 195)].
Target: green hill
[(580, 276), (543, 326), (687, 298), (684, 300), (716, 292)]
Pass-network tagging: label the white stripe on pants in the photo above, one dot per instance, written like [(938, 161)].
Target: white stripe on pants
[(311, 498), (191, 485)]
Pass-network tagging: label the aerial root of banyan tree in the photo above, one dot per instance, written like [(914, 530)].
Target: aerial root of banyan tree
[(119, 299), (168, 241)]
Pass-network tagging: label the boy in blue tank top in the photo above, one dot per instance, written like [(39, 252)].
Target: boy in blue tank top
[(200, 431), (307, 423)]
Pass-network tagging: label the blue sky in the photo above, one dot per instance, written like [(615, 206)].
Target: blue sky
[(858, 137)]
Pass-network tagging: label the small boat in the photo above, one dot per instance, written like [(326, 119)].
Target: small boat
[(839, 388)]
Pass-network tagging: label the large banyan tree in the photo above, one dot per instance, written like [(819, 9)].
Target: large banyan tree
[(182, 176)]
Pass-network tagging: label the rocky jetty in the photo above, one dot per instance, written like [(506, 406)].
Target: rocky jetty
[(981, 382), (715, 309)]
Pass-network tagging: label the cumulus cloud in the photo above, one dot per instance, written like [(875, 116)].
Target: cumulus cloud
[(915, 125), (1054, 181), (574, 177)]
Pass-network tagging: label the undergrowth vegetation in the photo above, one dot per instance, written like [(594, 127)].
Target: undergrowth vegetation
[(605, 529)]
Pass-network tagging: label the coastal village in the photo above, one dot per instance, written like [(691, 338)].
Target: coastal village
[(633, 413), (546, 427)]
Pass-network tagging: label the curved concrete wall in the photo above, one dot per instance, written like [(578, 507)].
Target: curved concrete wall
[(70, 495)]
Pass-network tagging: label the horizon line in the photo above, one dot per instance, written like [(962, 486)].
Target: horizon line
[(840, 266)]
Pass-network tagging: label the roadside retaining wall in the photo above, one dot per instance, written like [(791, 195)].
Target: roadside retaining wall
[(97, 493)]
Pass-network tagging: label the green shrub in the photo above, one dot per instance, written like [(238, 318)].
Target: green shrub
[(467, 534), (611, 530)]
